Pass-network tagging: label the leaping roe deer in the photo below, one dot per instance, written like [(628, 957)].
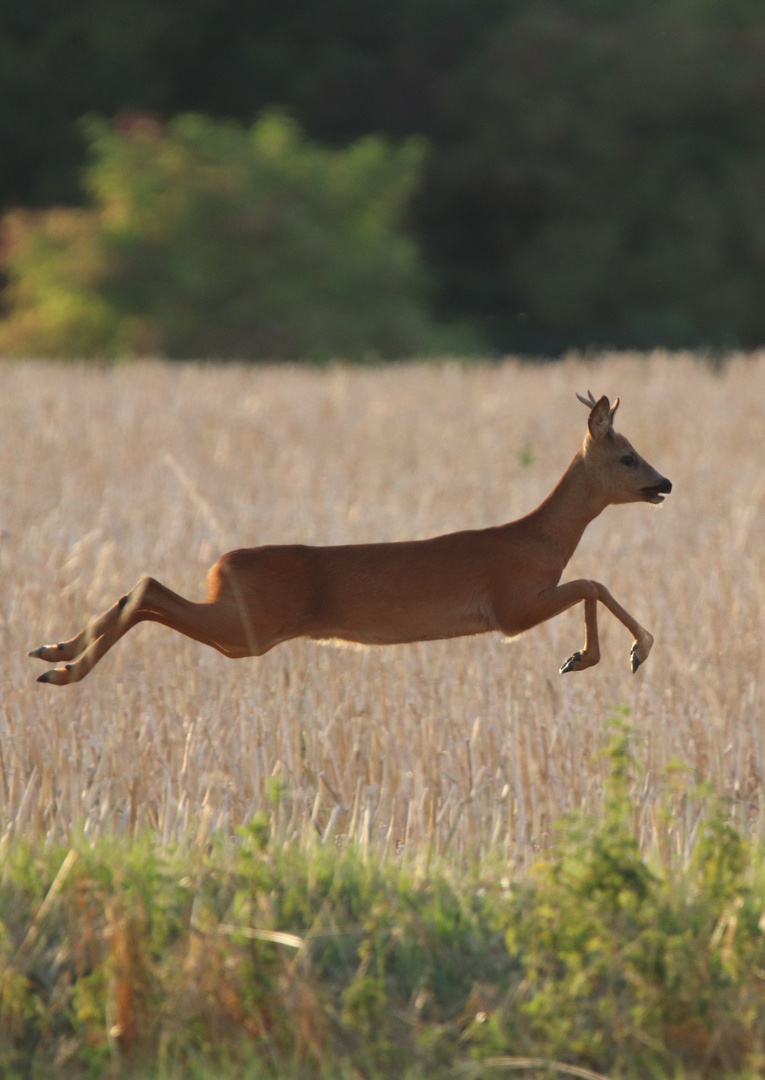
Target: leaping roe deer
[(503, 578)]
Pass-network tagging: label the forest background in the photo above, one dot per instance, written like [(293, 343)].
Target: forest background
[(590, 172)]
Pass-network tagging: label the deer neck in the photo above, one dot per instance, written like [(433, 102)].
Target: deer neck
[(567, 511)]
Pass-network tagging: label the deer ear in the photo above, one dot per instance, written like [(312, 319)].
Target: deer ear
[(601, 417)]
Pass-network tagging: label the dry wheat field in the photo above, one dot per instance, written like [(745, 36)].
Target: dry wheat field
[(464, 749)]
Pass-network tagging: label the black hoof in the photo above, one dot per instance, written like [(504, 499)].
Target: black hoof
[(569, 664), (635, 661), (45, 677), (36, 654)]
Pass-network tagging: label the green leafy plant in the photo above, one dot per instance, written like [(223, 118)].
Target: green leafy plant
[(205, 239), (625, 970), (306, 960)]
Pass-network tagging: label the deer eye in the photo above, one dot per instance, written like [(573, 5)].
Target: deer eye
[(629, 460)]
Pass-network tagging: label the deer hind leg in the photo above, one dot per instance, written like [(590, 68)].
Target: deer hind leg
[(68, 650), (149, 600)]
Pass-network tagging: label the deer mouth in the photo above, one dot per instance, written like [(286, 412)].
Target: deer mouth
[(655, 492)]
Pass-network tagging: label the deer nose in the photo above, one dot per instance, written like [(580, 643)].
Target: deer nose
[(664, 487)]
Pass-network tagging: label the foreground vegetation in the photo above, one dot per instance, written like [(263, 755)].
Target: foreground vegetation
[(314, 962)]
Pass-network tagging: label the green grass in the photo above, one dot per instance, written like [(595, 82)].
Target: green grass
[(259, 959)]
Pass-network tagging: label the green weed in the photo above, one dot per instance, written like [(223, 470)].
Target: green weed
[(252, 958)]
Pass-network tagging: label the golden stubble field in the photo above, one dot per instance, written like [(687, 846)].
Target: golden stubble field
[(463, 749)]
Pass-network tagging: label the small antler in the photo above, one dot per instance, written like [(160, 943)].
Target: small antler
[(590, 402)]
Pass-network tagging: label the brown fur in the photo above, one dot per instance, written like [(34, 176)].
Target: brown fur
[(504, 578)]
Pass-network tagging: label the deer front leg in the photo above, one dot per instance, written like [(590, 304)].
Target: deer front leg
[(590, 654), (562, 597), (643, 640)]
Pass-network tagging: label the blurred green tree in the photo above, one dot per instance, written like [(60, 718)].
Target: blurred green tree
[(209, 240), (595, 167)]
